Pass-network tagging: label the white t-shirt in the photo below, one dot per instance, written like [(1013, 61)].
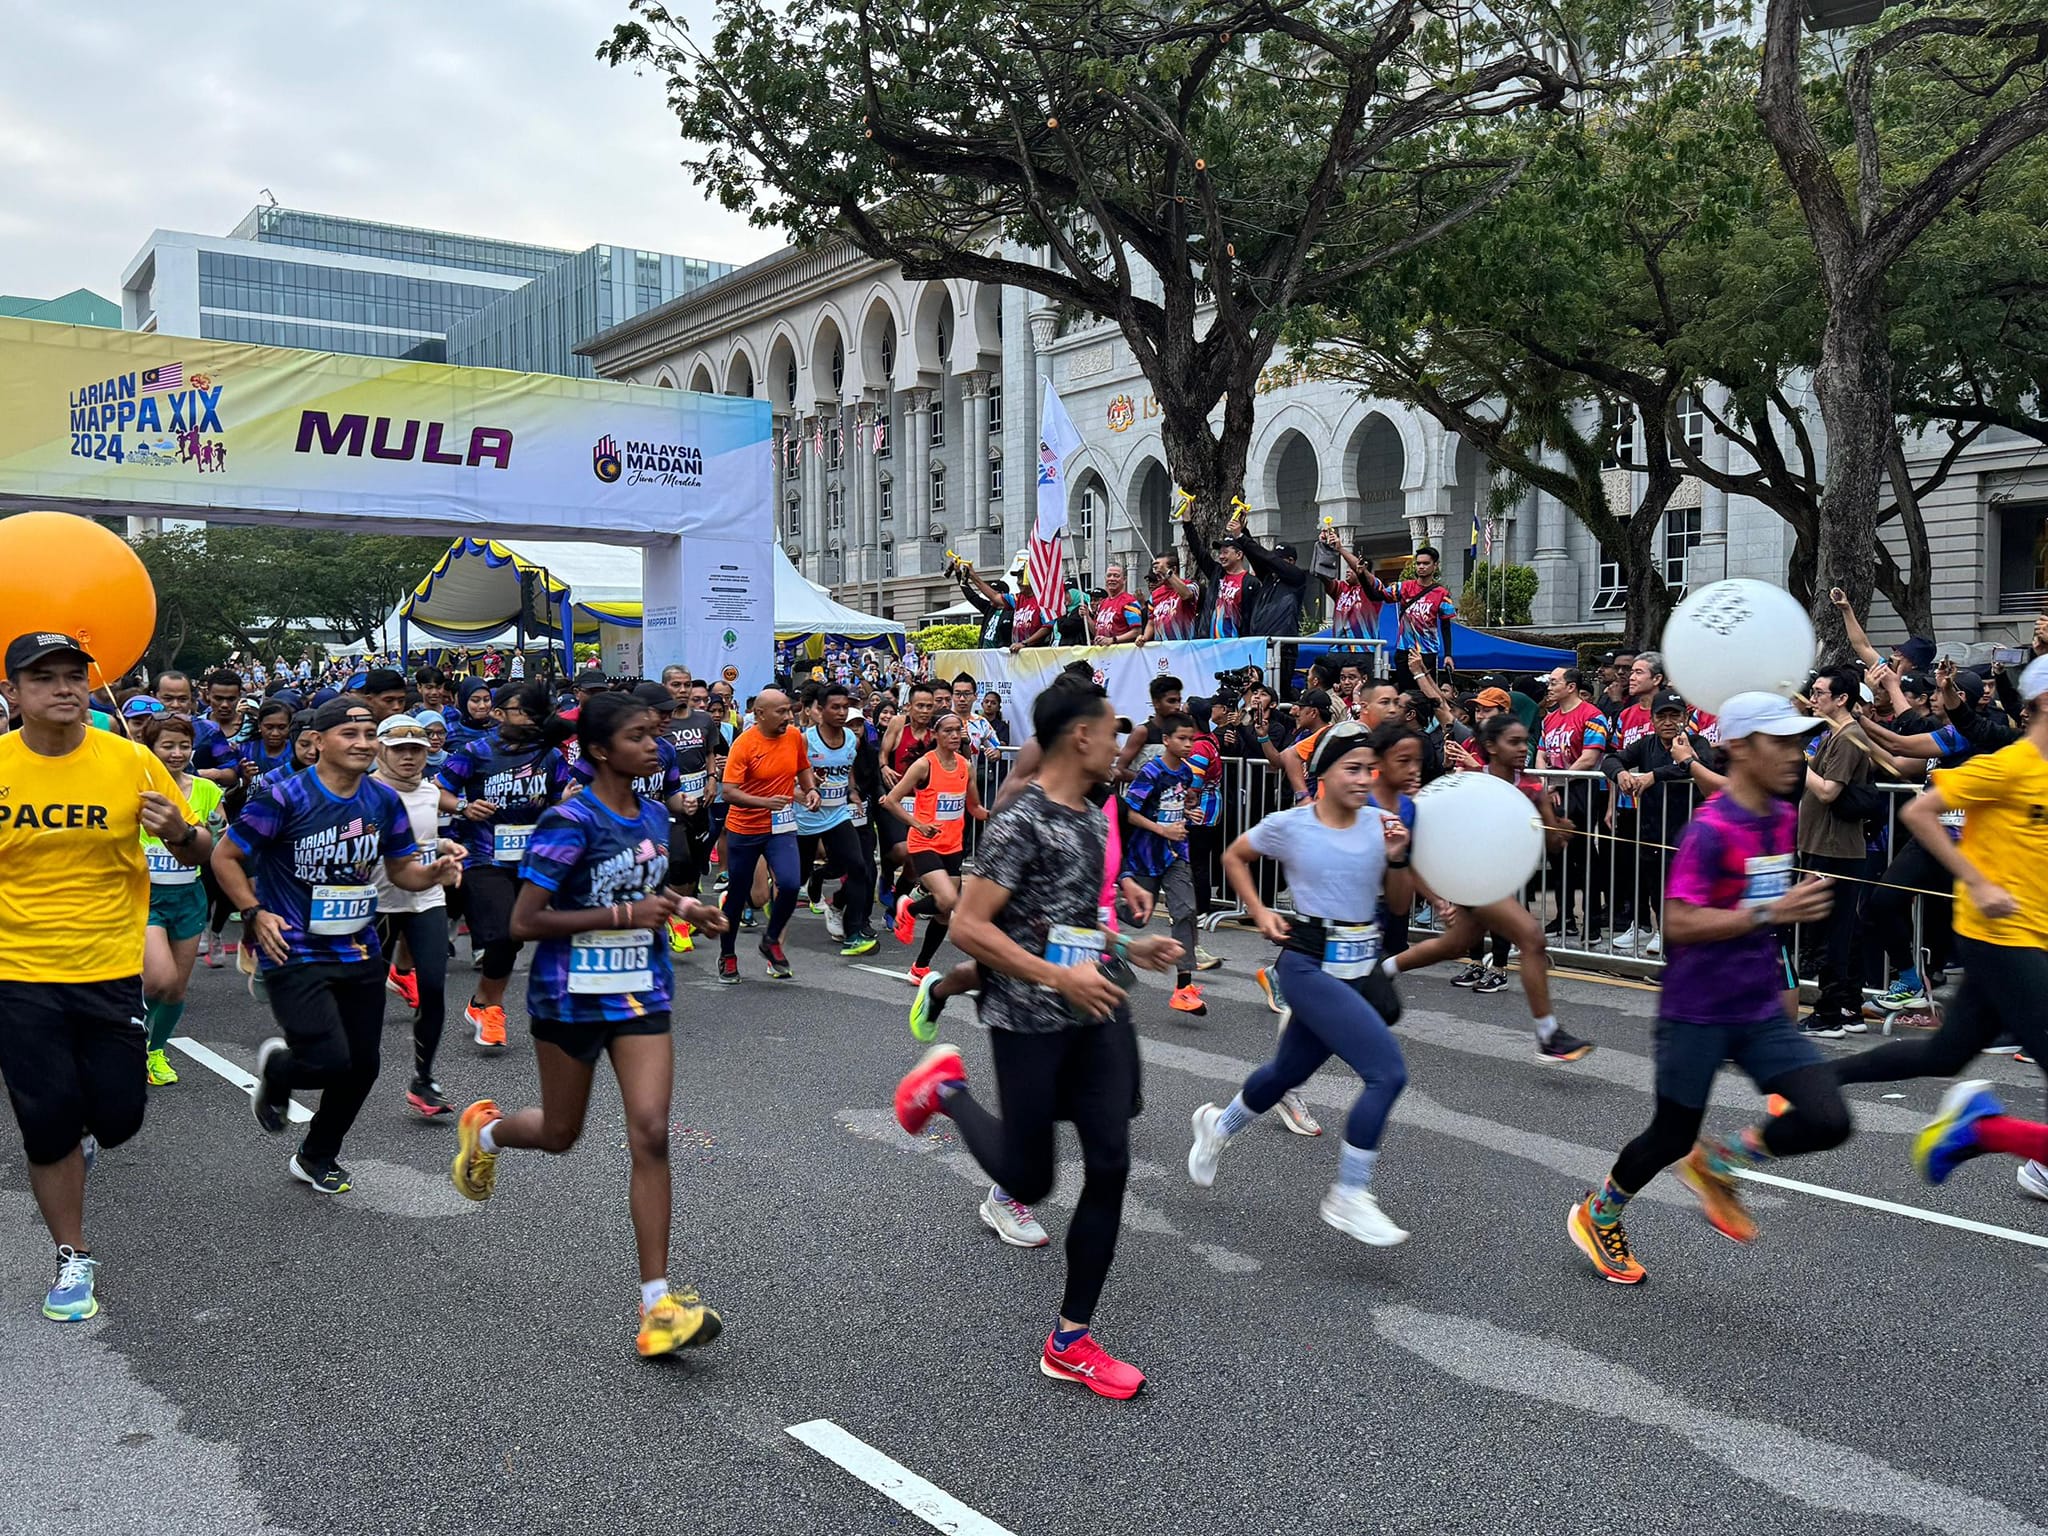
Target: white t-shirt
[(423, 810), (1334, 875)]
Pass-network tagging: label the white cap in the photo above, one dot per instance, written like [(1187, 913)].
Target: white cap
[(1767, 714), (2034, 680)]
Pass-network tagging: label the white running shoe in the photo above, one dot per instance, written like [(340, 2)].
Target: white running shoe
[(1209, 1144), (1655, 946), (1355, 1213), (835, 921), (1295, 1116), (1012, 1221), (1626, 941), (2033, 1179)]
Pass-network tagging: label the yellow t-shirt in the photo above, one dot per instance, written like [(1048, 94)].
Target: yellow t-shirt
[(74, 884), (2003, 796)]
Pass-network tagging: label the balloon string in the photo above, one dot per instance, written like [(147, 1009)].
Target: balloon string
[(1630, 842)]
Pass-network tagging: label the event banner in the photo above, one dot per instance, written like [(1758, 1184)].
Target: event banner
[(1125, 670)]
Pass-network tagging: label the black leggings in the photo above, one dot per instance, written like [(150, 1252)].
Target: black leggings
[(1817, 1120), (1087, 1075), (2004, 988), (845, 857), (218, 909), (426, 935)]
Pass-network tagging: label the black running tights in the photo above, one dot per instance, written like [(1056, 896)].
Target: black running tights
[(1817, 1120)]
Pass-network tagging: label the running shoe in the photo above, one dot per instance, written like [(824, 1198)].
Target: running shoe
[(269, 1112), (327, 1178), (426, 1099), (1469, 976), (925, 1010), (817, 908), (1209, 1143), (1269, 985), (211, 954), (1563, 1046), (919, 972), (1094, 1367), (906, 921), (71, 1299), (728, 970), (1011, 1220), (680, 941), (678, 1321), (158, 1069), (405, 985), (917, 1096), (778, 962), (1705, 1174), (1903, 993), (1777, 1104), (1950, 1138), (1655, 946), (474, 1170), (1491, 981), (2004, 1045), (1187, 999), (835, 923), (1626, 941), (1204, 961), (1355, 1213), (1855, 1024), (1295, 1116), (857, 945), (2033, 1180), (749, 919), (1605, 1243), (1819, 1027), (488, 1025), (721, 882), (2022, 1057)]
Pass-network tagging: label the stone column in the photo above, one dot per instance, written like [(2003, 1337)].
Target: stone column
[(914, 453), (974, 450), (1557, 578)]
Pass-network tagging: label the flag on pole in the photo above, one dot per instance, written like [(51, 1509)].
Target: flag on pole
[(1473, 542), (1486, 538), (1056, 440)]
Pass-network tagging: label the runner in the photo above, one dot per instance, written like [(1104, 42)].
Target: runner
[(1343, 856), (470, 715), (497, 784), (74, 909), (593, 896), (177, 901), (298, 866), (700, 754), (1059, 1032), (767, 774), (1725, 993), (271, 747), (940, 790), (417, 921), (1156, 805), (830, 829)]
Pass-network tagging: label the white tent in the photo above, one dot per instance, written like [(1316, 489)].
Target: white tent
[(804, 608)]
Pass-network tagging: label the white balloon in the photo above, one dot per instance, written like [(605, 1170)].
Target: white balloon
[(1735, 637), (1477, 838)]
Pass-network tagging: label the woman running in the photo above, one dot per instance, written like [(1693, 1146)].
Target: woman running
[(177, 901), (942, 784), (470, 716), (1342, 854), (591, 895), (271, 747)]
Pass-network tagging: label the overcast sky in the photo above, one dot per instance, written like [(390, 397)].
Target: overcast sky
[(493, 119)]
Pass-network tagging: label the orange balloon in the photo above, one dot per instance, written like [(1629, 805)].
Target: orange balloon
[(67, 573)]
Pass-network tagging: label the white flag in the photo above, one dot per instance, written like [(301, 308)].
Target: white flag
[(1056, 439)]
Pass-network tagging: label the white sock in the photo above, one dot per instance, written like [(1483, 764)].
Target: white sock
[(1355, 1165), (1546, 1026), (1236, 1116), (652, 1291), (487, 1138), (1392, 966)]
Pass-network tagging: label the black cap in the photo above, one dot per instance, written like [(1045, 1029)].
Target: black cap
[(384, 680), (1230, 541), (590, 677), (1919, 684), (655, 696), (339, 712), (1314, 698), (27, 650), (1969, 683), (1284, 551), (1607, 658), (1669, 698)]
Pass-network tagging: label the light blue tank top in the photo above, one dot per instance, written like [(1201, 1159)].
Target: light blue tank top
[(834, 770)]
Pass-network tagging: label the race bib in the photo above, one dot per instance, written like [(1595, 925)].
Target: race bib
[(1172, 807), (339, 910), (1350, 950), (831, 794), (693, 784), (425, 854), (508, 844), (783, 820), (950, 808), (1074, 946), (860, 814), (1766, 878), (164, 868), (1953, 820), (609, 961)]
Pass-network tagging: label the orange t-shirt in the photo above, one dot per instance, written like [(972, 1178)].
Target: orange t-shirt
[(942, 803), (760, 765)]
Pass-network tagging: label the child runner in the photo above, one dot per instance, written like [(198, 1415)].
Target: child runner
[(1725, 994), (1059, 1032), (592, 893), (942, 782), (417, 919), (177, 901), (1156, 853), (1341, 853)]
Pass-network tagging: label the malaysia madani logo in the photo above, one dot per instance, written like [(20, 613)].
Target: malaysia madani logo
[(1122, 412), (604, 460)]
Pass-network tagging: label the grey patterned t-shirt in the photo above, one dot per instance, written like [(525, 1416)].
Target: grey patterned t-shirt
[(1050, 859)]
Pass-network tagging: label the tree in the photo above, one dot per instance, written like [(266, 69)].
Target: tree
[(1875, 153), (1192, 174)]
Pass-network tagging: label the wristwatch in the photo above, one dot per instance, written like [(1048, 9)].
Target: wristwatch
[(191, 836), (248, 913)]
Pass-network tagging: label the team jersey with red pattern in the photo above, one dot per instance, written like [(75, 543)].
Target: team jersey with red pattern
[(1173, 614), (1356, 612), (1117, 616), (1421, 609), (1569, 732), (1226, 621), (1635, 723)]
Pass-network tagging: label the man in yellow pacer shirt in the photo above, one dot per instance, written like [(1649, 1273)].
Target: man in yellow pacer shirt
[(74, 903)]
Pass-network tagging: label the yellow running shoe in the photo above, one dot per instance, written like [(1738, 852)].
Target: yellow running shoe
[(680, 941), (677, 1321), (160, 1071), (1720, 1199), (475, 1171)]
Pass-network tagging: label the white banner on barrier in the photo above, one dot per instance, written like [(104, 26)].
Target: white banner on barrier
[(1126, 671)]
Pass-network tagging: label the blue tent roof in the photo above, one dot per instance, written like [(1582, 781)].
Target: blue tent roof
[(1474, 650)]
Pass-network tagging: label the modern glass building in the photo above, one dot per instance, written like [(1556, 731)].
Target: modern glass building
[(289, 278)]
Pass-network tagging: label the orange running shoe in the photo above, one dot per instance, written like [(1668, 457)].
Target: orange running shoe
[(1776, 1105), (1605, 1244), (1187, 999), (1720, 1200), (489, 1024)]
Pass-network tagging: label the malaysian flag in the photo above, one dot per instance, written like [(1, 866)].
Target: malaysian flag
[(881, 434), (818, 437), (1056, 440), (169, 376)]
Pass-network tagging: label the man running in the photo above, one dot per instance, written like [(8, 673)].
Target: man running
[(74, 905), (1726, 992), (767, 774), (833, 751)]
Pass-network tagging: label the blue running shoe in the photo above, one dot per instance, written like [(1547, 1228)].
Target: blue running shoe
[(1950, 1137), (71, 1299)]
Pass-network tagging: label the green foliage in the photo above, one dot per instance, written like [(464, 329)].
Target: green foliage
[(1498, 594), (947, 637)]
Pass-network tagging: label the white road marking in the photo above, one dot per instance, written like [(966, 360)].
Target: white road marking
[(220, 1066), (933, 1505), (879, 970), (1871, 1202)]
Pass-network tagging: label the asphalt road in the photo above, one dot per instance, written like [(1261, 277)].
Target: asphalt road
[(397, 1360)]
